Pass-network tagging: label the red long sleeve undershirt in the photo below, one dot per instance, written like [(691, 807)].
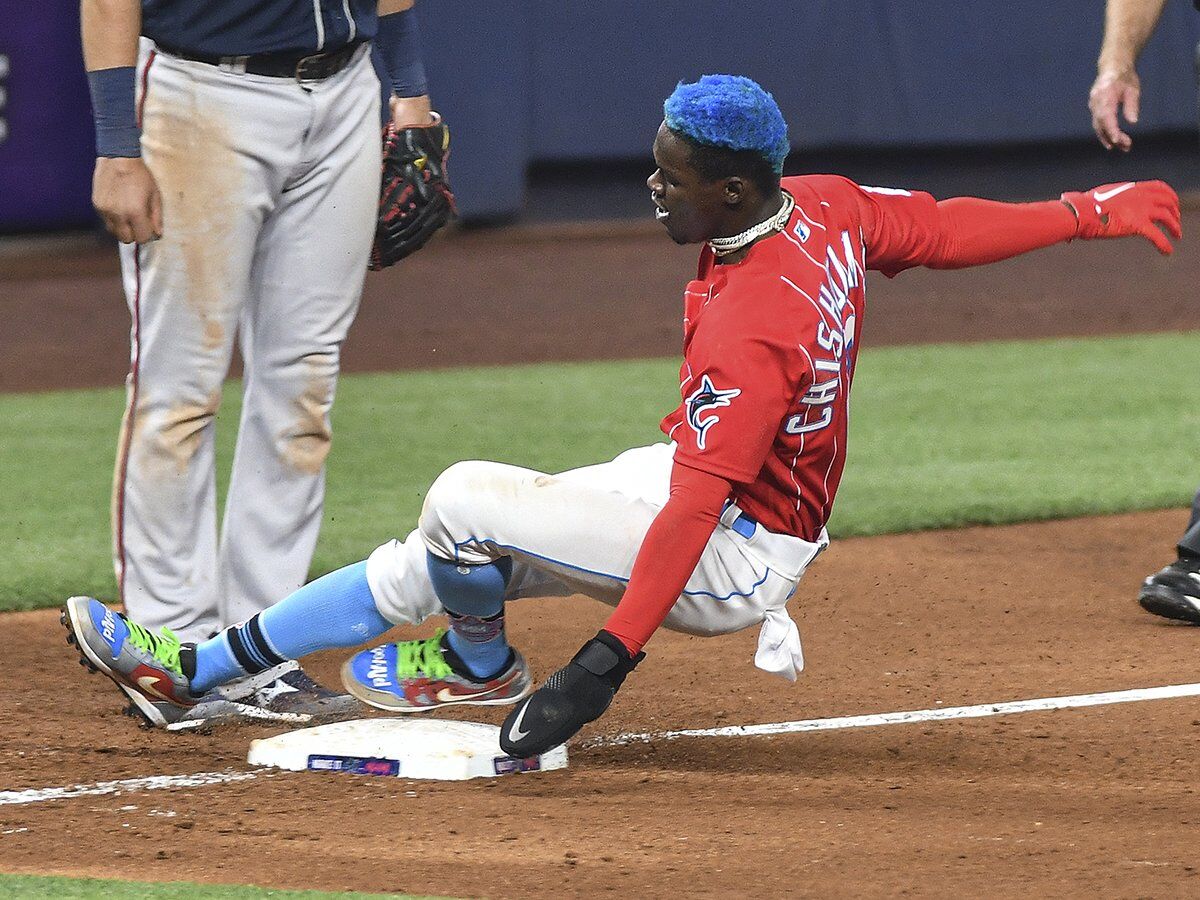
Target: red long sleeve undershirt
[(669, 554), (967, 232), (972, 232)]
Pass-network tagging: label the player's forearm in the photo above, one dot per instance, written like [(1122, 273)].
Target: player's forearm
[(669, 554), (110, 30), (399, 44), (1128, 24), (973, 232)]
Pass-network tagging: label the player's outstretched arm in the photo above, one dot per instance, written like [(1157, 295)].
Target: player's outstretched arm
[(582, 690), (968, 231)]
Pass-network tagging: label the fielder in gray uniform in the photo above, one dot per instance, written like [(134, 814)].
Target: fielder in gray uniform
[(1174, 591), (238, 162)]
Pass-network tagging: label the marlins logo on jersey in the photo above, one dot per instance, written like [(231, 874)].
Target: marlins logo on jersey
[(704, 398)]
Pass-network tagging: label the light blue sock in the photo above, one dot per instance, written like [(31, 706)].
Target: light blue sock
[(336, 610), (474, 598), (484, 656)]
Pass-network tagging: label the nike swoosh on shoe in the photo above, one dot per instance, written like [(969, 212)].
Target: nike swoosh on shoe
[(149, 684), (446, 695)]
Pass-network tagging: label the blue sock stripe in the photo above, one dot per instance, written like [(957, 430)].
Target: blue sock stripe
[(336, 610), (248, 643), (244, 659), (260, 643), (243, 652)]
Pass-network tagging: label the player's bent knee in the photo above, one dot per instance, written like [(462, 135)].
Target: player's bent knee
[(461, 493)]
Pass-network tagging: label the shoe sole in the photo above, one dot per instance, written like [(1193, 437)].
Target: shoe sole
[(227, 712), (367, 696), (1169, 604), (140, 707)]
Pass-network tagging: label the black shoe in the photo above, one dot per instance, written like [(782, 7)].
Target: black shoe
[(287, 690), (284, 694), (1174, 592)]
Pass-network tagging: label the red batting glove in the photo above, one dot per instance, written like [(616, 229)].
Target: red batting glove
[(1125, 209)]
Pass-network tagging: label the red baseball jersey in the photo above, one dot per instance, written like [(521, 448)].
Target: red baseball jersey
[(770, 345)]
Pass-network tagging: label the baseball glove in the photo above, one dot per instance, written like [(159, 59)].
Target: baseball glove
[(415, 200)]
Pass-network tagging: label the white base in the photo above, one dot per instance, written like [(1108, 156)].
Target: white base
[(408, 748)]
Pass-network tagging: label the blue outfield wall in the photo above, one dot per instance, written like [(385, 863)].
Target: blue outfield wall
[(47, 146), (526, 81)]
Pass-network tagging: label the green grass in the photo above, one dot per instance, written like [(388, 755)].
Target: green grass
[(73, 888), (941, 435), (1016, 431)]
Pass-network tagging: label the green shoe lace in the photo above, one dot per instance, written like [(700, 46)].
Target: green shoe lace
[(416, 658), (164, 647)]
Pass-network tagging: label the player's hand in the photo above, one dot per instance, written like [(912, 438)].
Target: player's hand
[(576, 694), (1111, 90), (1122, 210), (127, 198)]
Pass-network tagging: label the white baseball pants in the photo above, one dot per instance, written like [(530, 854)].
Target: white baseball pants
[(580, 532), (269, 191)]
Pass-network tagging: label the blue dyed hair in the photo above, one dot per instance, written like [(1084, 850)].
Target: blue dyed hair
[(729, 111)]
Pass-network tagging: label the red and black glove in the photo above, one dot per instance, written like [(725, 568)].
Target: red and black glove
[(576, 694), (415, 199), (1125, 209)]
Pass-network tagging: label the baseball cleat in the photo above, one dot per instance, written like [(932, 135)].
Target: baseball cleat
[(417, 676), (284, 694), (1174, 592), (146, 663), (288, 691)]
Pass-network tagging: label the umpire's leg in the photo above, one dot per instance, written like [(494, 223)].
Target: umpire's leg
[(1189, 544)]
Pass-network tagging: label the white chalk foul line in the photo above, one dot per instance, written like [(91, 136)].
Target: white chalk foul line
[(909, 716), (99, 788), (200, 779)]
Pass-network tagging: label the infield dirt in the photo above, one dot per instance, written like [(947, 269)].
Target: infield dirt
[(1093, 801)]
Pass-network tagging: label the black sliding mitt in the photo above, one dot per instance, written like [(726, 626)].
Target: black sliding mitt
[(576, 694)]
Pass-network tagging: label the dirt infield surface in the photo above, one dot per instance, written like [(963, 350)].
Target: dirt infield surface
[(1100, 800)]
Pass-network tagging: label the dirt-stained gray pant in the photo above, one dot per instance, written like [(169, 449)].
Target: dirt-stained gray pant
[(269, 190)]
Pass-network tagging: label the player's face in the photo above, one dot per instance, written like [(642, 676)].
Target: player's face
[(691, 208)]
